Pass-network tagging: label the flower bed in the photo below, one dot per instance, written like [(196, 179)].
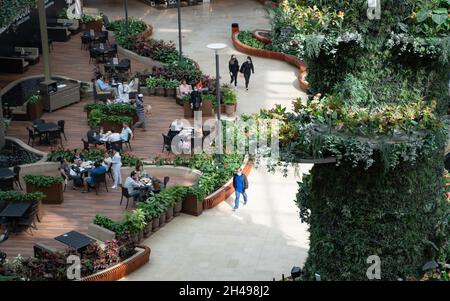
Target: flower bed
[(124, 268), (290, 59)]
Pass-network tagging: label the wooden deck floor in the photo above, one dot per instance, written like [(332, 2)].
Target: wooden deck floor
[(78, 210)]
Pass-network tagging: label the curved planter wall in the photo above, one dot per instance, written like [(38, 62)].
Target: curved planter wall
[(290, 59), (124, 268)]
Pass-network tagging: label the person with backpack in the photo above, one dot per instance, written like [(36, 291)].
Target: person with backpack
[(240, 184)]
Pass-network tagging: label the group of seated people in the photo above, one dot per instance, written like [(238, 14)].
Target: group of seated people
[(195, 95), (99, 137), (120, 89), (81, 177)]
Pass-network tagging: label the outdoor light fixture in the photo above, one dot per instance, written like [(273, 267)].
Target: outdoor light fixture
[(217, 47)]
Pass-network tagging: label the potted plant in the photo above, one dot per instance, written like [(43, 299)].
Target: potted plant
[(34, 107), (114, 123), (151, 83), (51, 187), (188, 112), (135, 223), (171, 87), (207, 104), (160, 89), (89, 22), (95, 118), (191, 205), (229, 100)]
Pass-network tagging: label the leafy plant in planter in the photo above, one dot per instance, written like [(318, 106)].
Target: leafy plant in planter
[(117, 119), (247, 38), (34, 99), (42, 181), (95, 118), (229, 100), (107, 223), (13, 196), (135, 221)]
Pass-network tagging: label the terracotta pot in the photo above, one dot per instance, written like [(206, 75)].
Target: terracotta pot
[(169, 214), (177, 208), (53, 194), (188, 113), (207, 108), (35, 111), (230, 109), (160, 91), (155, 224), (148, 229), (191, 206), (162, 220)]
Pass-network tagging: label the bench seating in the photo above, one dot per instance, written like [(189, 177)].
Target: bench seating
[(13, 64), (33, 57)]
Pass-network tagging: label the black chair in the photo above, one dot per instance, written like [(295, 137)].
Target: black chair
[(124, 66), (31, 136), (109, 172), (29, 220), (165, 181), (61, 124), (167, 143), (125, 194), (101, 178), (103, 37), (92, 56), (117, 145), (85, 41), (16, 170), (54, 136)]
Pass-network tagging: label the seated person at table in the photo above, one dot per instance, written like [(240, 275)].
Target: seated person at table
[(104, 87), (175, 128), (90, 181), (196, 99), (93, 137), (185, 89), (126, 133), (133, 186), (70, 174), (139, 169), (107, 161), (77, 157)]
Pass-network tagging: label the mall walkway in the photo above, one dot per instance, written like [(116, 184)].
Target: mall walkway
[(265, 238)]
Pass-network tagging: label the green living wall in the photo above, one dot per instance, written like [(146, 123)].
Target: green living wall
[(380, 94)]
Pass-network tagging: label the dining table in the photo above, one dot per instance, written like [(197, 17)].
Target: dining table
[(43, 129), (14, 211)]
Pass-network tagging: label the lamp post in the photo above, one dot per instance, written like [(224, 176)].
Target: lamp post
[(179, 32), (216, 47)]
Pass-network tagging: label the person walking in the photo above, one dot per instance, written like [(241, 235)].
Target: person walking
[(140, 111), (116, 165), (240, 184), (247, 69), (233, 66)]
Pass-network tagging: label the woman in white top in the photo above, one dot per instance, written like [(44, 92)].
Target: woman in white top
[(107, 161), (116, 164)]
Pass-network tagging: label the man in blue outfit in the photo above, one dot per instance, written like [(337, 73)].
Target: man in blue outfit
[(90, 181), (240, 184)]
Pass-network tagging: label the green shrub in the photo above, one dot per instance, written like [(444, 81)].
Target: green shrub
[(13, 196), (42, 181), (246, 37), (95, 118)]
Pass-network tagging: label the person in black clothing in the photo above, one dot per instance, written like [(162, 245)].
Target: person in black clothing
[(233, 66), (247, 69), (196, 99)]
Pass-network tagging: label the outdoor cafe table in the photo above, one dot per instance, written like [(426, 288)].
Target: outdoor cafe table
[(45, 128), (14, 211), (75, 240), (6, 179)]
